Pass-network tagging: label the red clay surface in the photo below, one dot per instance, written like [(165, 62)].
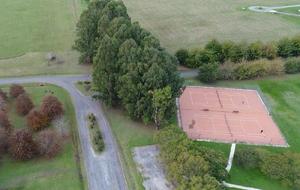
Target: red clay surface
[(227, 115)]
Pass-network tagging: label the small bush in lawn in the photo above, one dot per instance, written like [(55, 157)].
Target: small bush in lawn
[(51, 107), (23, 104), (36, 120), (4, 121), (182, 56), (292, 65), (216, 49), (247, 158), (21, 145), (3, 141), (16, 90), (49, 143), (208, 72)]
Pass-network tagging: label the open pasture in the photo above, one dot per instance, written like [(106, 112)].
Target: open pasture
[(191, 23)]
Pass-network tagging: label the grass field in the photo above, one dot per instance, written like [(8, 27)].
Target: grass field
[(191, 23), (282, 93), (129, 134), (294, 10), (61, 172), (31, 29)]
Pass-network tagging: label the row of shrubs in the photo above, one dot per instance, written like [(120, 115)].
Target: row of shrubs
[(24, 144), (248, 70), (280, 166), (217, 52), (95, 133)]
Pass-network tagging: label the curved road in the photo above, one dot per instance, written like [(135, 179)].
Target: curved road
[(103, 171), (273, 9)]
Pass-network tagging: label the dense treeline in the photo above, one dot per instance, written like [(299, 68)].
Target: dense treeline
[(280, 166), (130, 67), (239, 61), (188, 164)]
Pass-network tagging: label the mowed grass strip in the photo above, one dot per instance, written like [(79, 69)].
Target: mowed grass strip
[(282, 93), (191, 23), (129, 134), (61, 172)]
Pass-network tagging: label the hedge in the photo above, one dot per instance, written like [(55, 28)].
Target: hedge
[(215, 51)]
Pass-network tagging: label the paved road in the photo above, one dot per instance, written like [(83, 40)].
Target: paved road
[(274, 9), (103, 171)]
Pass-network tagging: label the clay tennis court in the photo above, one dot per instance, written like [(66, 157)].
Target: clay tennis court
[(227, 115)]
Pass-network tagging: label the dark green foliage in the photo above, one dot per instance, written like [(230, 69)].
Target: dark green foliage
[(98, 141), (216, 49), (129, 63), (292, 65), (188, 164), (182, 56), (87, 30), (247, 158), (253, 51), (208, 72), (280, 166), (289, 47)]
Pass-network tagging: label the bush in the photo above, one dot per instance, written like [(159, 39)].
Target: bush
[(4, 121), (49, 143), (16, 90), (3, 141), (292, 65), (274, 67), (208, 72), (182, 56), (253, 51), (216, 49), (37, 120), (247, 158), (269, 51), (226, 71), (98, 141), (236, 53), (22, 145), (23, 104), (51, 107), (203, 57), (244, 71), (3, 95)]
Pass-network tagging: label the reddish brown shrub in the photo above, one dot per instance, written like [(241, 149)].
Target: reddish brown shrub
[(49, 143), (21, 145), (4, 121), (37, 120), (3, 141), (16, 90), (23, 104), (3, 95), (51, 107)]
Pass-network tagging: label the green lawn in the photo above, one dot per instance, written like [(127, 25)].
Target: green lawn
[(282, 95), (61, 172), (191, 23), (129, 134), (33, 28), (294, 10)]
